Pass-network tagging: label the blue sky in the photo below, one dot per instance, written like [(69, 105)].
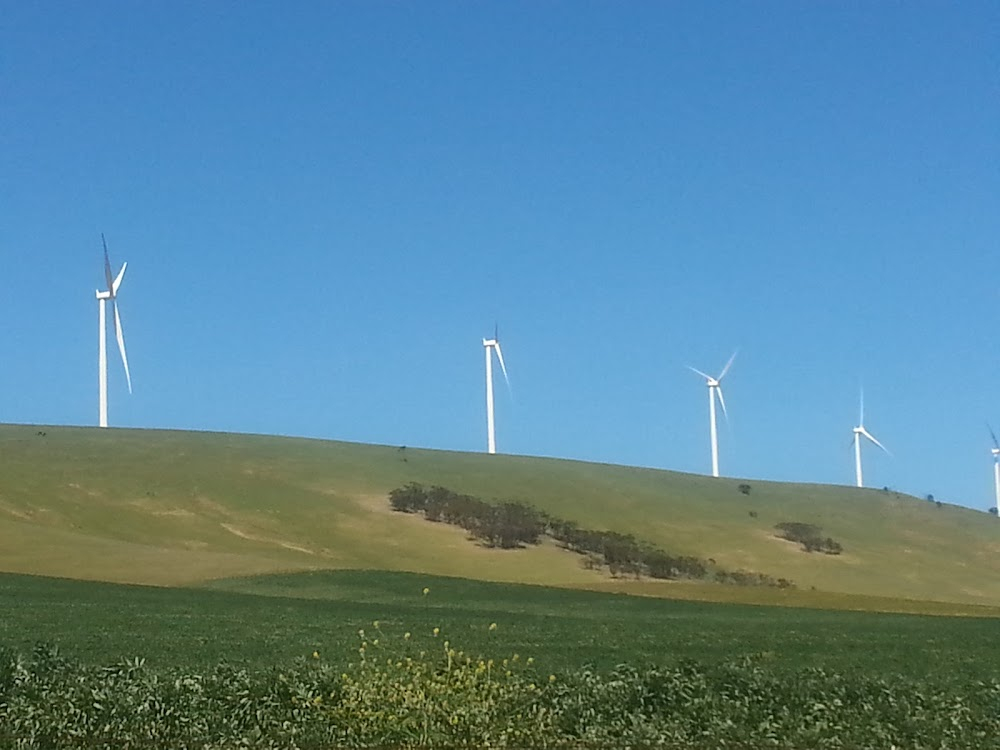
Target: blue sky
[(325, 207)]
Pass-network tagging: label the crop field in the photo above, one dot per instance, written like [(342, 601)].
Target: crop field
[(305, 632), (561, 629)]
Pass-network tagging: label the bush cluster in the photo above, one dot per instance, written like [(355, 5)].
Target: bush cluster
[(749, 578), (624, 555), (512, 524), (809, 536), (392, 695)]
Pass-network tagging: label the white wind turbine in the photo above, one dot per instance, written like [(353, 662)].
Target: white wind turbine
[(860, 431), (996, 469), (489, 345), (102, 297), (715, 390)]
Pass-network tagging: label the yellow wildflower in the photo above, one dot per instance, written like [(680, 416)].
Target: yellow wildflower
[(315, 654), (426, 591), (493, 626)]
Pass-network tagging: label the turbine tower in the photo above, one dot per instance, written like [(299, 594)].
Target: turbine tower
[(489, 345), (102, 297), (715, 391), (860, 431), (996, 469)]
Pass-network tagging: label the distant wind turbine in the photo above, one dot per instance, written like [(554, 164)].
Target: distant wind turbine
[(489, 345), (860, 431), (715, 390), (102, 297), (996, 468)]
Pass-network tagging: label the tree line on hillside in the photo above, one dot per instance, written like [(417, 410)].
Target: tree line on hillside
[(510, 525)]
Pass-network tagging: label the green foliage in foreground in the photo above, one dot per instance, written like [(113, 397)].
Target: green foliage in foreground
[(391, 694)]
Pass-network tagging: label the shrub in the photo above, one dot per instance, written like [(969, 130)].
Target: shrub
[(809, 536), (411, 498)]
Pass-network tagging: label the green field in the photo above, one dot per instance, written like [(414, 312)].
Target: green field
[(357, 663), (561, 629), (176, 508)]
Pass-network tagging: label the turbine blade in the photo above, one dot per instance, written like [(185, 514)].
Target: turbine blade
[(496, 331), (121, 346), (728, 365), (704, 375), (118, 280), (994, 436), (107, 263), (722, 401), (502, 366), (872, 438)]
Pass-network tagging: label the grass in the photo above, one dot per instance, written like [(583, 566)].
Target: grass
[(181, 509), (562, 629)]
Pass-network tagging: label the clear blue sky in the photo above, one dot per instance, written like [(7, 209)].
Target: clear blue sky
[(325, 207)]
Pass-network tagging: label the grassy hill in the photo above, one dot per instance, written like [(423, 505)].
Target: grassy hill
[(178, 508)]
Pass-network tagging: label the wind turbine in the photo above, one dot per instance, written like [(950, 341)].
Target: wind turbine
[(102, 297), (996, 468), (860, 431), (489, 345), (715, 390)]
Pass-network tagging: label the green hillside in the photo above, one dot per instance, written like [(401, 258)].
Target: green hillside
[(180, 508)]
